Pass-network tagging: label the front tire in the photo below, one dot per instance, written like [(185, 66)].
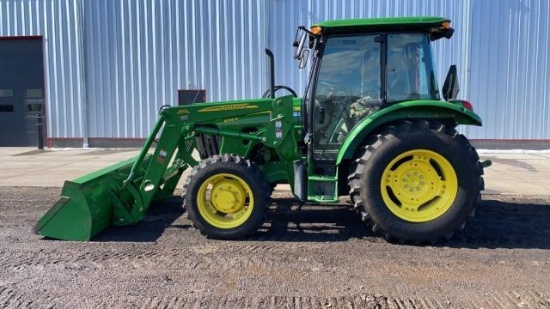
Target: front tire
[(416, 181), (226, 197)]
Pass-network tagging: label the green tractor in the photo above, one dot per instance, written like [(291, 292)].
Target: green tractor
[(371, 126)]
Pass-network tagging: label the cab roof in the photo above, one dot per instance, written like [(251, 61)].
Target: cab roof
[(382, 24)]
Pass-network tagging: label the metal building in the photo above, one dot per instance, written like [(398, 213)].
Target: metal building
[(99, 70)]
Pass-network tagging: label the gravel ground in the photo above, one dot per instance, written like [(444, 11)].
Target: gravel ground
[(316, 257)]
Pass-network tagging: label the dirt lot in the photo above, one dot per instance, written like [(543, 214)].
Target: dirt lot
[(317, 257)]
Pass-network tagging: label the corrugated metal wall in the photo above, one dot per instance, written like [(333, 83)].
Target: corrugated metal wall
[(57, 22), (139, 53), (510, 68), (135, 54)]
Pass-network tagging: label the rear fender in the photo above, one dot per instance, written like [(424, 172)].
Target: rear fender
[(402, 111)]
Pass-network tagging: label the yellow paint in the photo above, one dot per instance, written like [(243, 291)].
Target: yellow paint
[(225, 201), (419, 185)]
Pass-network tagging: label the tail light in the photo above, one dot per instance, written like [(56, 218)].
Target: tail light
[(464, 103)]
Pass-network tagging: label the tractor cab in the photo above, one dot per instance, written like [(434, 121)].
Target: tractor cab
[(360, 67)]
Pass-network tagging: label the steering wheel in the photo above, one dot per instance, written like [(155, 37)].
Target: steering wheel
[(344, 100), (337, 104), (267, 92)]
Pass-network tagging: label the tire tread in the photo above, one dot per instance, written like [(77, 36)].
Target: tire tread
[(388, 133), (259, 181)]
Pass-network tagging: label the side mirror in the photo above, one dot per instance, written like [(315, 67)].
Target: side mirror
[(303, 58), (299, 46), (449, 33), (451, 87)]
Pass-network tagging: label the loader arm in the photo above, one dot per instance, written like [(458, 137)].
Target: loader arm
[(173, 152), (122, 193)]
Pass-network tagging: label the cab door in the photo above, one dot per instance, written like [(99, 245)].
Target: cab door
[(347, 87)]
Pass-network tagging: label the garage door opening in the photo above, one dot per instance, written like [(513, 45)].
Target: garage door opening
[(21, 90)]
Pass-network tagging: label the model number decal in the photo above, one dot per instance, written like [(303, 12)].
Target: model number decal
[(230, 119)]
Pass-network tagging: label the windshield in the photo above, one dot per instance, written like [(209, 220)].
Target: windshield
[(351, 67)]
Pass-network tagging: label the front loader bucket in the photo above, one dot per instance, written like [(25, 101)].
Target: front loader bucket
[(87, 204)]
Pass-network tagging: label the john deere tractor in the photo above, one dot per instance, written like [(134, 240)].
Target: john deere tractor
[(371, 125)]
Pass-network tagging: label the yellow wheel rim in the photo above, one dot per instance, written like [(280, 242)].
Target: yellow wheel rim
[(225, 201), (419, 185)]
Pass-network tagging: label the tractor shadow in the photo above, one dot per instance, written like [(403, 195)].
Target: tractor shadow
[(499, 223), (160, 217), (286, 221), (511, 224)]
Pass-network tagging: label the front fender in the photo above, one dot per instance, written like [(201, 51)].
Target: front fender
[(401, 111)]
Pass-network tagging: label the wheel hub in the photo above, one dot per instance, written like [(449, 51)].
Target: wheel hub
[(228, 196), (414, 182), (225, 200), (411, 182)]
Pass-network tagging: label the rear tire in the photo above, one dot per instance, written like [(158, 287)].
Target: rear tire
[(416, 181), (226, 197)]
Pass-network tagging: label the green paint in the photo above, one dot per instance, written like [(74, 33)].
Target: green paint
[(418, 109), (388, 22)]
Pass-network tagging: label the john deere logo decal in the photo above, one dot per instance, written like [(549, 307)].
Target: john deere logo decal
[(231, 107)]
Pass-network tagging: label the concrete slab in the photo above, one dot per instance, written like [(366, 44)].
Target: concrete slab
[(50, 168), (516, 173)]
